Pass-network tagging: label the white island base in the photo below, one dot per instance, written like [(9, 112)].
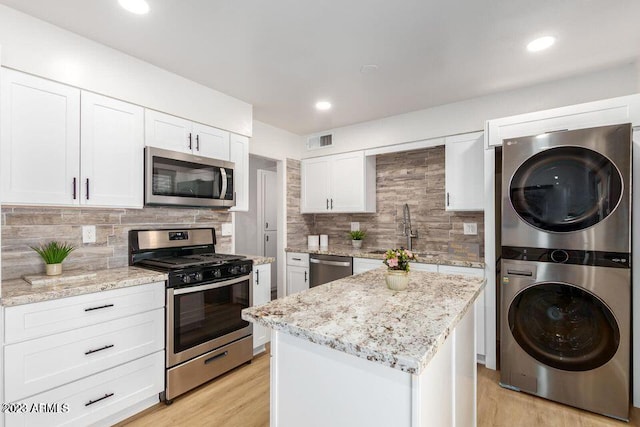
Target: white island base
[(314, 385)]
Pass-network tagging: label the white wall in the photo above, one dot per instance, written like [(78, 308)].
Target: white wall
[(37, 47), (247, 222), (275, 143), (470, 115)]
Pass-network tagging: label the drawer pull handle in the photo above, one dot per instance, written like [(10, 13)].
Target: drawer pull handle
[(106, 396), (216, 357), (98, 308), (297, 259), (520, 273), (98, 349)]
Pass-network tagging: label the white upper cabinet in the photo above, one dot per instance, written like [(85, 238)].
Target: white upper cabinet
[(168, 132), (239, 154), (112, 141), (624, 109), (464, 172), (176, 134), (339, 183), (39, 141), (210, 142)]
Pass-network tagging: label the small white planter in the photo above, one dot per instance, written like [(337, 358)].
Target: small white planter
[(54, 269), (397, 280), (357, 244)]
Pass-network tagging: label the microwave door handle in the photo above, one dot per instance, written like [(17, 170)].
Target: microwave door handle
[(223, 183)]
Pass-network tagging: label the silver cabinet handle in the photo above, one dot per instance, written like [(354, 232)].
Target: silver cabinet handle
[(266, 225), (257, 277), (333, 263), (447, 198), (190, 144), (197, 142), (327, 204), (331, 204), (74, 188), (87, 195), (297, 259), (305, 277)]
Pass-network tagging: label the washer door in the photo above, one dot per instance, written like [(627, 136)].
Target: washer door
[(565, 189), (564, 327)]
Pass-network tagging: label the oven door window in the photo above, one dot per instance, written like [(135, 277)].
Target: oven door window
[(565, 189), (564, 327), (205, 315), (185, 179)]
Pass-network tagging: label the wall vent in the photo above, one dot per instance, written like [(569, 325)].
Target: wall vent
[(319, 141)]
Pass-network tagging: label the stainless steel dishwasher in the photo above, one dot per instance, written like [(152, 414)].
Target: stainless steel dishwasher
[(326, 268)]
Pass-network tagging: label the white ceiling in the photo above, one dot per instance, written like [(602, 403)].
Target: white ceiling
[(284, 55)]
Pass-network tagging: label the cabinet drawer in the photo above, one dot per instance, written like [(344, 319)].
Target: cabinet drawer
[(467, 271), (297, 259), (37, 365), (111, 391), (40, 319)]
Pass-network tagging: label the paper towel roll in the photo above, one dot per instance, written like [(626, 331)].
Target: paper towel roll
[(324, 242), (313, 242)]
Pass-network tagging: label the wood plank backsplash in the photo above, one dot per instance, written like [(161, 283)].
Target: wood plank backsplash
[(414, 177), (23, 227)]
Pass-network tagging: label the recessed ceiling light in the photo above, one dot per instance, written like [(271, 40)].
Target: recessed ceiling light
[(369, 68), (323, 105), (541, 43), (139, 7)]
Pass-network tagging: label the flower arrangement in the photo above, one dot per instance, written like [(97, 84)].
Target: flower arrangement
[(398, 259)]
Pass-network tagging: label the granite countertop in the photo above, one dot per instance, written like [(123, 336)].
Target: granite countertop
[(18, 291), (259, 260), (372, 253), (359, 315)]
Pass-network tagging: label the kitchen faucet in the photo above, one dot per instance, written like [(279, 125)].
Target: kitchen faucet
[(406, 223)]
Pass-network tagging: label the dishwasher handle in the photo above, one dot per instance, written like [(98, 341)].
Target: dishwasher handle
[(332, 263)]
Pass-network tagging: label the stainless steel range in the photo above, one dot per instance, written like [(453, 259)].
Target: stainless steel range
[(206, 291)]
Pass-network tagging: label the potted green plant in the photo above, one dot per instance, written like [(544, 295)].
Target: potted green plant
[(397, 262), (53, 253), (356, 238)]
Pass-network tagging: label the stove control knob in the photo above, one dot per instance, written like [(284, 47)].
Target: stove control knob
[(235, 269), (185, 278), (198, 276), (243, 269), (217, 273)]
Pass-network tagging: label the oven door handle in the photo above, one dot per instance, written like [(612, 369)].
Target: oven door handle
[(223, 183), (215, 285)]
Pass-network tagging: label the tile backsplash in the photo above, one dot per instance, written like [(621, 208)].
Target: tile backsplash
[(23, 227), (414, 177)]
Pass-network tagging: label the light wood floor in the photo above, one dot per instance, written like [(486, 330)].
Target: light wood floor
[(241, 399)]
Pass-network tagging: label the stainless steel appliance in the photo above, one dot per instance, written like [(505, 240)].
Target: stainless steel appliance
[(206, 292), (181, 179), (326, 268), (565, 330), (568, 190)]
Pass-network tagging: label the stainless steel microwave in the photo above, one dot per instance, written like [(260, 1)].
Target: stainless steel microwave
[(172, 178)]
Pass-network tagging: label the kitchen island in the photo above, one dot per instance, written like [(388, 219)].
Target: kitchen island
[(354, 353)]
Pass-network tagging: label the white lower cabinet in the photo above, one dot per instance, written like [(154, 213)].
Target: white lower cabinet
[(93, 399), (104, 361), (297, 272), (261, 295)]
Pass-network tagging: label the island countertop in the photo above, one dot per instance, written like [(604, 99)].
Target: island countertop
[(359, 315)]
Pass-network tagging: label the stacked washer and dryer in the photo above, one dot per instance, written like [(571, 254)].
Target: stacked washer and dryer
[(565, 310)]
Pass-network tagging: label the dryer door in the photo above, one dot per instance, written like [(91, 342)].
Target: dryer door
[(565, 189), (564, 326)]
